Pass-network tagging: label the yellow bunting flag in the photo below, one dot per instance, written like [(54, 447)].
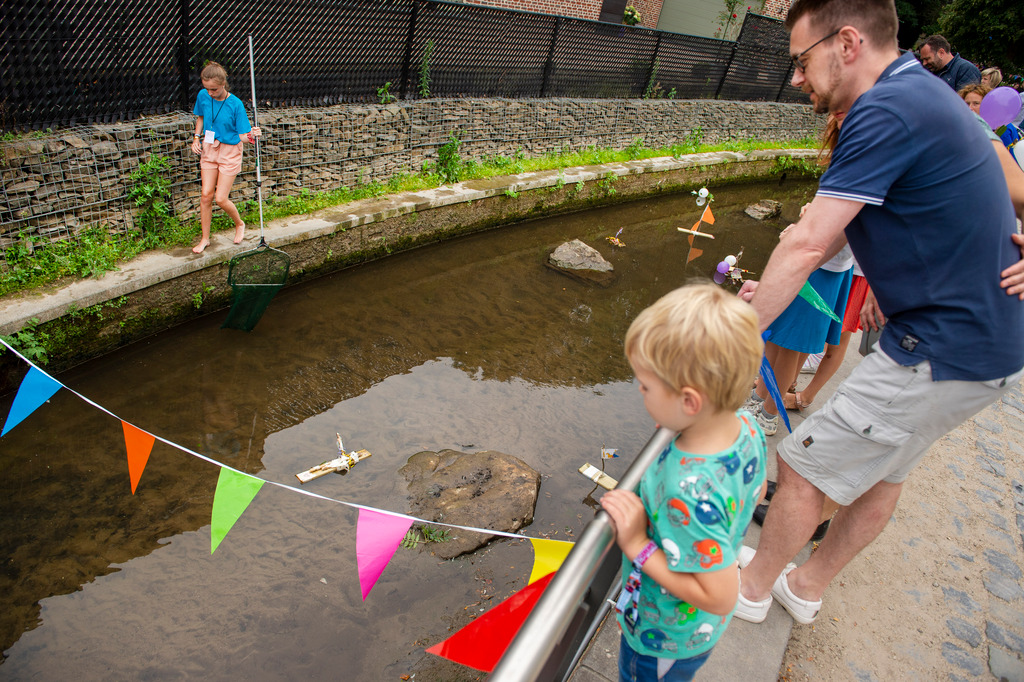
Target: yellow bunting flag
[(235, 491), (139, 445), (548, 556)]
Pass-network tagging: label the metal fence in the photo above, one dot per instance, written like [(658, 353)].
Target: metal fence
[(90, 61)]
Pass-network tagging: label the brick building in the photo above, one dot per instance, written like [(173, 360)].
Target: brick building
[(595, 10), (693, 17)]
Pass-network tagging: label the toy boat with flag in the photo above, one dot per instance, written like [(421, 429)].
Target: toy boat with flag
[(343, 462)]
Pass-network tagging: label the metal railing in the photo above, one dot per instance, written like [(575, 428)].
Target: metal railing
[(567, 614)]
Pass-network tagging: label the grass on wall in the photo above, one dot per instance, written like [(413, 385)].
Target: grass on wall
[(95, 251)]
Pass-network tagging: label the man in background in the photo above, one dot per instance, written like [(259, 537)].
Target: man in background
[(938, 58)]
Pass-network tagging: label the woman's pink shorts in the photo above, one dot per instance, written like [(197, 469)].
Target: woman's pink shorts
[(225, 158)]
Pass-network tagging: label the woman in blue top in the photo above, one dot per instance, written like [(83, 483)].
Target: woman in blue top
[(221, 127)]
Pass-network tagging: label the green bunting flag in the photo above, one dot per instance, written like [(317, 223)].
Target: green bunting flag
[(234, 493), (817, 302)]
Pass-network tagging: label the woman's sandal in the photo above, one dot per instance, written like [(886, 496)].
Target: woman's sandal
[(795, 401)]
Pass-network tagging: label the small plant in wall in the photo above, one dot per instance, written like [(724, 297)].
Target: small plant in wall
[(384, 94), (424, 81), (631, 16)]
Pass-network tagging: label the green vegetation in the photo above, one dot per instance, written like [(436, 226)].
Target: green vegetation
[(424, 534), (449, 163), (30, 342), (31, 262), (991, 33), (151, 191), (385, 95), (424, 79)]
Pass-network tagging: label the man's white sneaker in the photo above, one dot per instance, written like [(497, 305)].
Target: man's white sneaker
[(802, 610)]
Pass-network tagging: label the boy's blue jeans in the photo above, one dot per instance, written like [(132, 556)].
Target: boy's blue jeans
[(635, 667)]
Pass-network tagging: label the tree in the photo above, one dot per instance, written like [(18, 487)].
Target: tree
[(990, 32), (918, 18)]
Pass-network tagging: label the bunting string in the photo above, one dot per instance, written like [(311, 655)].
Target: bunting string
[(44, 379)]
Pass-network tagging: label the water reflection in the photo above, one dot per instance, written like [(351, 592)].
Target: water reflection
[(468, 345)]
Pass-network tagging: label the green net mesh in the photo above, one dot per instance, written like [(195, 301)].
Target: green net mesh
[(255, 277)]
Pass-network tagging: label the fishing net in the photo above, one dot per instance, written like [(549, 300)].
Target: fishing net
[(255, 277)]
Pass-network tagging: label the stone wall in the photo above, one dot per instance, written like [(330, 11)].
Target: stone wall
[(55, 185)]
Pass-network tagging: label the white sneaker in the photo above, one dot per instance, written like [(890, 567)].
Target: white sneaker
[(753, 404), (811, 363), (745, 556), (769, 424), (802, 610)]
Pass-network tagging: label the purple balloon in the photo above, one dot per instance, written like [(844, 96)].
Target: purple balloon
[(723, 267), (719, 278), (1000, 106)]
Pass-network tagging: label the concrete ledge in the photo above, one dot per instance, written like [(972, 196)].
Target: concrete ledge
[(159, 289)]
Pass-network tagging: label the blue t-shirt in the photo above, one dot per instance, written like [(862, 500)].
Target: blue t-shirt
[(227, 118), (934, 232), (698, 509)]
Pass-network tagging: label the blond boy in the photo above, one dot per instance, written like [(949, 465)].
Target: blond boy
[(695, 353)]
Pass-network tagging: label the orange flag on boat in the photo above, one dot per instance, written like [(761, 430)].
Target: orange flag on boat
[(708, 216), (139, 444), (693, 253), (482, 643)]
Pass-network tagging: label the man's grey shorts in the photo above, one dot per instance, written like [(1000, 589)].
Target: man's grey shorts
[(880, 423)]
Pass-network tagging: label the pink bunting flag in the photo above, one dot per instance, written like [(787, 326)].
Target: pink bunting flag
[(139, 444), (377, 538)]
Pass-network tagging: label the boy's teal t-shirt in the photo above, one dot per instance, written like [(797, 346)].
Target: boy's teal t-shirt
[(698, 509), (227, 118)]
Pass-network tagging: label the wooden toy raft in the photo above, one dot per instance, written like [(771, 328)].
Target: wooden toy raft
[(597, 476), (343, 462)]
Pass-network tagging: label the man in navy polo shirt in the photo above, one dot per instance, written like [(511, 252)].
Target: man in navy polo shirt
[(919, 194)]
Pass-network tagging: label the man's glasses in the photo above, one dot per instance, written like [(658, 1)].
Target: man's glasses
[(798, 61)]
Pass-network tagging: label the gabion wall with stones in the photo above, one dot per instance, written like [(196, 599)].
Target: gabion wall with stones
[(57, 184)]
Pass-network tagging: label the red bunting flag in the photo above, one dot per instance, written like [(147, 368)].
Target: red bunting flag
[(139, 445), (482, 643)]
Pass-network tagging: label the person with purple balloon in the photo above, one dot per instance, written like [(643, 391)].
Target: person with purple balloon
[(999, 108)]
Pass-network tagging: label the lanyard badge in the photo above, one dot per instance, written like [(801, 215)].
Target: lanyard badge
[(628, 603)]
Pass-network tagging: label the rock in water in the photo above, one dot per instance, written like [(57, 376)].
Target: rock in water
[(581, 262), (764, 209), (484, 489)]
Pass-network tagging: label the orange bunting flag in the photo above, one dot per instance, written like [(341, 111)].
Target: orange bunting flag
[(482, 643), (139, 445), (235, 491), (708, 216), (548, 556)]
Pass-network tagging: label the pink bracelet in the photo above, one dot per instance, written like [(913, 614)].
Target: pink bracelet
[(645, 554)]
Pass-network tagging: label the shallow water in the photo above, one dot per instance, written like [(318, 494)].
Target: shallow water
[(471, 345)]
